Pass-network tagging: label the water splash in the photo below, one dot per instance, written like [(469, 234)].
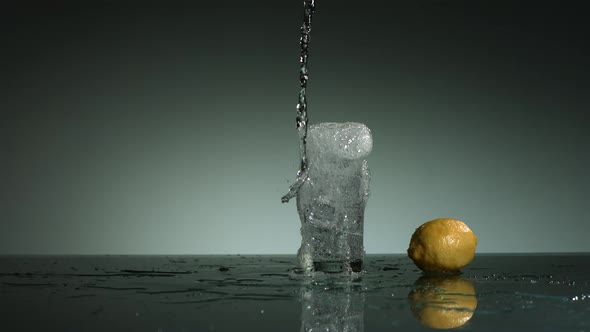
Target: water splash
[(302, 119)]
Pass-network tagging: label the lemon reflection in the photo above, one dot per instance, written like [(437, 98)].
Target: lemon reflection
[(443, 302)]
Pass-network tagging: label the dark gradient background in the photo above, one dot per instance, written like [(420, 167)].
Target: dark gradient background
[(169, 127)]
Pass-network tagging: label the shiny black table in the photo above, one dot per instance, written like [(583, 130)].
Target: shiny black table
[(508, 292)]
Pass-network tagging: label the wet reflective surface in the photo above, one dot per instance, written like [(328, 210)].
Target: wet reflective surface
[(266, 293)]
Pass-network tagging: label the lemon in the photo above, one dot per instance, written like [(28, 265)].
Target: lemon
[(443, 302), (442, 245)]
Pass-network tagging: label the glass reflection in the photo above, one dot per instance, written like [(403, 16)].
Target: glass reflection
[(443, 302), (331, 308)]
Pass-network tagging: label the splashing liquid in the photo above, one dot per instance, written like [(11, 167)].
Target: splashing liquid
[(308, 9)]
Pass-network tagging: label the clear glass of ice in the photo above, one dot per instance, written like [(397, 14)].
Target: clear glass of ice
[(331, 202)]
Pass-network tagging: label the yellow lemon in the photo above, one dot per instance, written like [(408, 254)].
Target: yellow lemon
[(442, 245), (443, 302)]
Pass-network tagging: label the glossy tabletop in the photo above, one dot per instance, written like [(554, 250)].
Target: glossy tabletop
[(508, 292)]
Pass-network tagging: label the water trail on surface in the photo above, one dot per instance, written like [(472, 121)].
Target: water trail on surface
[(302, 120)]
